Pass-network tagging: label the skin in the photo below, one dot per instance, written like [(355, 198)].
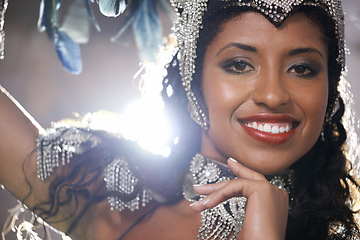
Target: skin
[(275, 80), (271, 80), (270, 86)]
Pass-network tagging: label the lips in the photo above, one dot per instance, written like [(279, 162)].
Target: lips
[(270, 128)]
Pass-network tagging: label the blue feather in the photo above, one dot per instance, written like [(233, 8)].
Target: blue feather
[(91, 14), (45, 21), (76, 23), (112, 8), (147, 29), (49, 16), (68, 52)]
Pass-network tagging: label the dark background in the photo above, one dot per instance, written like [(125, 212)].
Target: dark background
[(32, 73)]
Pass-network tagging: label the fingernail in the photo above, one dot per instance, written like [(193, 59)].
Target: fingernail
[(198, 185), (233, 160), (202, 202), (205, 202)]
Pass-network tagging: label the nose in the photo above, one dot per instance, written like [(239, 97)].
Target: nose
[(270, 90)]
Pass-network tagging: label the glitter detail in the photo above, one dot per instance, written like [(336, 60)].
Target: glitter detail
[(3, 7), (120, 179), (57, 146), (187, 29), (226, 219), (187, 32)]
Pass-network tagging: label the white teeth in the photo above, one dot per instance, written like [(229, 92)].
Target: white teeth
[(275, 129), (282, 129), (269, 128)]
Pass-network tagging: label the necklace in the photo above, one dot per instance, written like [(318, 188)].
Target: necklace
[(226, 219)]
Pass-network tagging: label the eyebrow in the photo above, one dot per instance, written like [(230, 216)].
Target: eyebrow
[(244, 47), (252, 49), (305, 50)]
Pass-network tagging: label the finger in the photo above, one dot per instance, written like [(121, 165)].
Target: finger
[(243, 172), (230, 189), (207, 189)]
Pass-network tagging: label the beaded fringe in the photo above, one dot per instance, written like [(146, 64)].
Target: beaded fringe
[(119, 178), (57, 147)]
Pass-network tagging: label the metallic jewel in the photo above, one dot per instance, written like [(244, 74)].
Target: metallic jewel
[(188, 26), (226, 219), (57, 147)]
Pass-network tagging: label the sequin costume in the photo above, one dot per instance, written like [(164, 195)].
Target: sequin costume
[(190, 22), (224, 221), (59, 145)]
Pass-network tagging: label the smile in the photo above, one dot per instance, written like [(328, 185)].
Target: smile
[(269, 128)]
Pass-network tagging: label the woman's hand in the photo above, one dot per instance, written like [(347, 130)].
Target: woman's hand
[(266, 208)]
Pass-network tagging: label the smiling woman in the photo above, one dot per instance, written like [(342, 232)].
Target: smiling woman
[(251, 82), (262, 154)]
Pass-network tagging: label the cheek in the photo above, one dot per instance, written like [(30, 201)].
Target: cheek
[(313, 104), (223, 94)]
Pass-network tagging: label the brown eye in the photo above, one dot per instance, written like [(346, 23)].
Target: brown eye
[(240, 66), (237, 66), (302, 70)]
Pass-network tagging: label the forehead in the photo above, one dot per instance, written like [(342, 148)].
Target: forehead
[(297, 30)]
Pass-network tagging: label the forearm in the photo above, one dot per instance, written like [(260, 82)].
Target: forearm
[(18, 131)]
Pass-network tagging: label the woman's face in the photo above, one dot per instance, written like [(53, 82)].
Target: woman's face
[(266, 91)]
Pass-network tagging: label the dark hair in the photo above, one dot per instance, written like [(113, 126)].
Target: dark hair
[(322, 181)]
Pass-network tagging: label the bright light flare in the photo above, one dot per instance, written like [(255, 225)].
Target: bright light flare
[(145, 122)]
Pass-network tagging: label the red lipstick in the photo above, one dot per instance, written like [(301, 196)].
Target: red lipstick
[(265, 127)]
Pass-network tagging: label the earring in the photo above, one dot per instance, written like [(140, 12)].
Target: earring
[(322, 134), (200, 118), (332, 110)]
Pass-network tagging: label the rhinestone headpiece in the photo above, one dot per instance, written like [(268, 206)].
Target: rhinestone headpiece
[(188, 26)]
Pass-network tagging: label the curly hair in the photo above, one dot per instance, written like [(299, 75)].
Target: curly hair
[(322, 180)]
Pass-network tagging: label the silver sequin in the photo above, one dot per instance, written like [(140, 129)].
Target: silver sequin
[(187, 29)]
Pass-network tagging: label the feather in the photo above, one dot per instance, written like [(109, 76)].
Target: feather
[(147, 29), (47, 18), (41, 21), (124, 29), (112, 8), (76, 23), (168, 10), (91, 14), (68, 52)]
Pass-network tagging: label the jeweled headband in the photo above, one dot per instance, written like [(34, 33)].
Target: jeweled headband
[(276, 11)]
